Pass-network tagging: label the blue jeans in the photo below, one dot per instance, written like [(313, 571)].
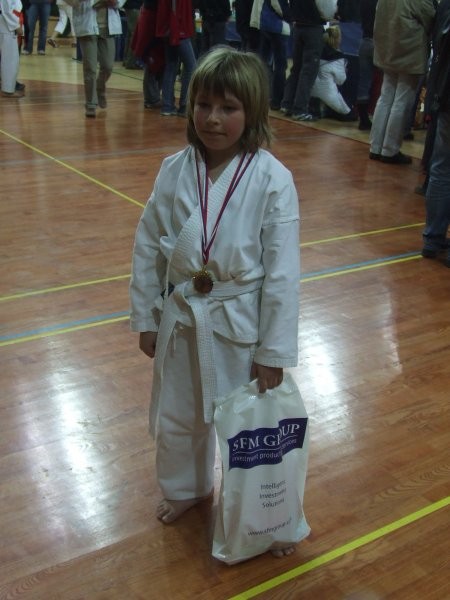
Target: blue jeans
[(438, 190), (273, 51), (37, 12), (184, 52), (307, 47)]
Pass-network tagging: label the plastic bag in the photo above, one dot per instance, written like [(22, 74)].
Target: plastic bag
[(264, 443)]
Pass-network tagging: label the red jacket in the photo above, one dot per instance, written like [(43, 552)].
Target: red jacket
[(174, 19)]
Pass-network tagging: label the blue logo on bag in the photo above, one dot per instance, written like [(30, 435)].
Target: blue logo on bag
[(266, 445)]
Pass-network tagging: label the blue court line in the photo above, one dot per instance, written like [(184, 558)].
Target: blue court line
[(122, 315)]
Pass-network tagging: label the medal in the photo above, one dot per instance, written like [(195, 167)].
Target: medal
[(202, 279)]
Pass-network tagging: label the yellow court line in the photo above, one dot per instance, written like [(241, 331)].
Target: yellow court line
[(109, 321), (358, 235), (73, 169), (345, 549), (61, 288), (361, 268), (44, 334)]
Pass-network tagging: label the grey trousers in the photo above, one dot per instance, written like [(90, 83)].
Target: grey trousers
[(101, 50)]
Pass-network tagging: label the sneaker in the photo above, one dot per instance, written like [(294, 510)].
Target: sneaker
[(286, 111), (16, 94), (169, 113), (374, 156), (25, 52), (41, 52), (90, 112), (397, 159), (305, 117), (102, 102), (181, 112)]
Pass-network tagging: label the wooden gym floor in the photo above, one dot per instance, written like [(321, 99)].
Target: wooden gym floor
[(77, 484)]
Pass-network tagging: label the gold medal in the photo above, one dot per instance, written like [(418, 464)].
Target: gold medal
[(202, 280)]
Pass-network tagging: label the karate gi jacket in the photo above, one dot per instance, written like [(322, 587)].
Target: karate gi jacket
[(10, 11), (254, 262)]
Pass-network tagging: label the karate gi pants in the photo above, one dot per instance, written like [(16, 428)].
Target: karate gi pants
[(185, 444), (9, 51)]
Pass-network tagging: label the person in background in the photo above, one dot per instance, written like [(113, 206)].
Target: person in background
[(272, 18), (438, 189), (131, 8), (65, 16), (39, 10), (367, 69), (96, 27), (176, 30), (401, 49), (308, 21), (249, 35), (150, 51), (348, 14), (231, 291), (215, 14), (331, 74), (10, 29)]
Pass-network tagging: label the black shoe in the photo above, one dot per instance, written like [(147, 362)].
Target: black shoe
[(397, 159), (408, 136), (363, 126), (447, 262), (374, 156), (420, 190), (428, 253), (19, 86)]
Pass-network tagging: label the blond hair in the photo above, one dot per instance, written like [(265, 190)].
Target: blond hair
[(333, 36), (226, 70)]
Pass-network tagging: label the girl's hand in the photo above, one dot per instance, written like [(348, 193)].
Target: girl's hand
[(268, 377), (147, 342)]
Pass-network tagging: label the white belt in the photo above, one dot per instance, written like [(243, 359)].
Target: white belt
[(185, 294)]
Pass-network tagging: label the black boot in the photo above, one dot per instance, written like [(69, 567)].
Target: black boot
[(365, 124)]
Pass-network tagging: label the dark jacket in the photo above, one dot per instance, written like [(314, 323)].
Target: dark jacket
[(214, 11), (438, 85), (368, 8), (305, 12)]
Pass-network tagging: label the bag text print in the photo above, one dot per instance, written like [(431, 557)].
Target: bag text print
[(266, 446)]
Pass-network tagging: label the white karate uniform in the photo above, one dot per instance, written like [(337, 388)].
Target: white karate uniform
[(331, 74), (206, 343), (9, 22)]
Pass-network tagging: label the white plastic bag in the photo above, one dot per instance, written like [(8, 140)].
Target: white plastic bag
[(264, 442)]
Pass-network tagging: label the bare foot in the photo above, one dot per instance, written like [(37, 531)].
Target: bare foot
[(168, 511), (280, 552)]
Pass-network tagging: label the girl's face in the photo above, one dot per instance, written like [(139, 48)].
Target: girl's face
[(219, 122)]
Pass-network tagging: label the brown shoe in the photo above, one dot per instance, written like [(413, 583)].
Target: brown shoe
[(16, 94), (52, 43)]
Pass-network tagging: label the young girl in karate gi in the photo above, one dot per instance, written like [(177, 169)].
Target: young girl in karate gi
[(215, 282)]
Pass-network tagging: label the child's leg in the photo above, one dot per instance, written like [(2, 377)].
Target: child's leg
[(185, 445)]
